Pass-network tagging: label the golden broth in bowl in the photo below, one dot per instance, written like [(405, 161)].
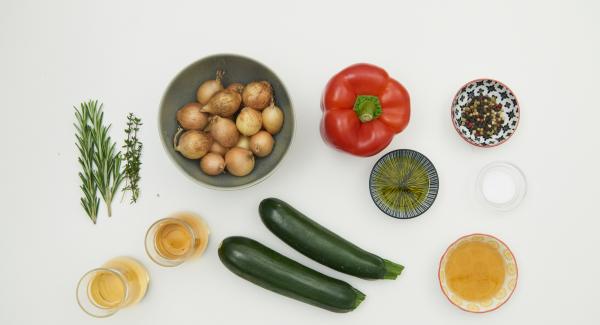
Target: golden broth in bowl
[(478, 273), (475, 271)]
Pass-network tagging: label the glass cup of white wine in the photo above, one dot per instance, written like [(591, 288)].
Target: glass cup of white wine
[(119, 283), (176, 239)]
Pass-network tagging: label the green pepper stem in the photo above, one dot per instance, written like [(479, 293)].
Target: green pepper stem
[(367, 108)]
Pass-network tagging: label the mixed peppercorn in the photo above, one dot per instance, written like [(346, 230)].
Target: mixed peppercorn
[(483, 115)]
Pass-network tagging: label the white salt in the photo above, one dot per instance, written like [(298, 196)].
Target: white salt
[(498, 186)]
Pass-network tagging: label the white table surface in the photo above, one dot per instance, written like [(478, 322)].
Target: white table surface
[(54, 54)]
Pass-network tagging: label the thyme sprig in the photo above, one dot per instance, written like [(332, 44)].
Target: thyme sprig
[(132, 156)]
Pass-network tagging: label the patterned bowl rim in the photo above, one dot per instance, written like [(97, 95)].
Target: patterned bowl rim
[(462, 135), (516, 272), (373, 171)]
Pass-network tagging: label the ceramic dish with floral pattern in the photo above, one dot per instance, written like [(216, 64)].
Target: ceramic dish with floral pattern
[(478, 273), (485, 112)]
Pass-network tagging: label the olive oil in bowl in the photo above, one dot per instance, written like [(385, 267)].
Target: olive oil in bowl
[(403, 184)]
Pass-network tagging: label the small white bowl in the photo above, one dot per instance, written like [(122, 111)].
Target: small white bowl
[(501, 185)]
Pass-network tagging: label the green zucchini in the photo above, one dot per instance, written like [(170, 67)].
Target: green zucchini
[(321, 244), (265, 267)]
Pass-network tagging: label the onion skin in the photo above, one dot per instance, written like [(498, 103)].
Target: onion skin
[(194, 144), (257, 95), (249, 121), (190, 117), (218, 149), (239, 161), (212, 164), (224, 103), (262, 143), (207, 90), (237, 87), (272, 118), (224, 131)]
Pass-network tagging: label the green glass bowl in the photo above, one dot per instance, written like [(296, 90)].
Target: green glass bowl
[(182, 90), (403, 184)]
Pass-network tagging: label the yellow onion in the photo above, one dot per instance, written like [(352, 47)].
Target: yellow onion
[(257, 94), (224, 131), (224, 103), (209, 88), (244, 142), (239, 161), (190, 117), (217, 148), (237, 87), (249, 121), (272, 119), (212, 164), (262, 143), (193, 144)]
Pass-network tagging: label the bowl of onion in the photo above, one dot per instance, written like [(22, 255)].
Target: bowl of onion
[(226, 121)]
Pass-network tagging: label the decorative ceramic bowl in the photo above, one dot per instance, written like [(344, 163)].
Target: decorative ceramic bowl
[(403, 184), (511, 275), (182, 90), (509, 108)]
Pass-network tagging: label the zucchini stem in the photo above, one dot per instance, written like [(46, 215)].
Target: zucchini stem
[(392, 270), (359, 298)]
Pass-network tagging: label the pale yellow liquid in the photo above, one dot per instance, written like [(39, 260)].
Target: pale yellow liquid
[(174, 241), (107, 289), (475, 271)]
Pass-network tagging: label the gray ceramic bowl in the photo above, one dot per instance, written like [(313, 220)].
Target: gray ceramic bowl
[(182, 90)]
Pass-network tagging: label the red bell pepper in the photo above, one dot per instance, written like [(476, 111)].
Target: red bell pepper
[(363, 108)]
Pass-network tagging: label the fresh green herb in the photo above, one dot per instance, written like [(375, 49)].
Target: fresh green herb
[(132, 155), (101, 161), (108, 175), (85, 144)]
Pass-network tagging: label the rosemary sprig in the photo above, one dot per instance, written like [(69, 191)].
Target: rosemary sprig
[(132, 155), (108, 174), (85, 143)]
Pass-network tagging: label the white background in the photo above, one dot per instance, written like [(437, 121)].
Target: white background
[(55, 54)]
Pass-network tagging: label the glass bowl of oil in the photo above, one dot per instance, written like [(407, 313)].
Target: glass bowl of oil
[(403, 184)]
